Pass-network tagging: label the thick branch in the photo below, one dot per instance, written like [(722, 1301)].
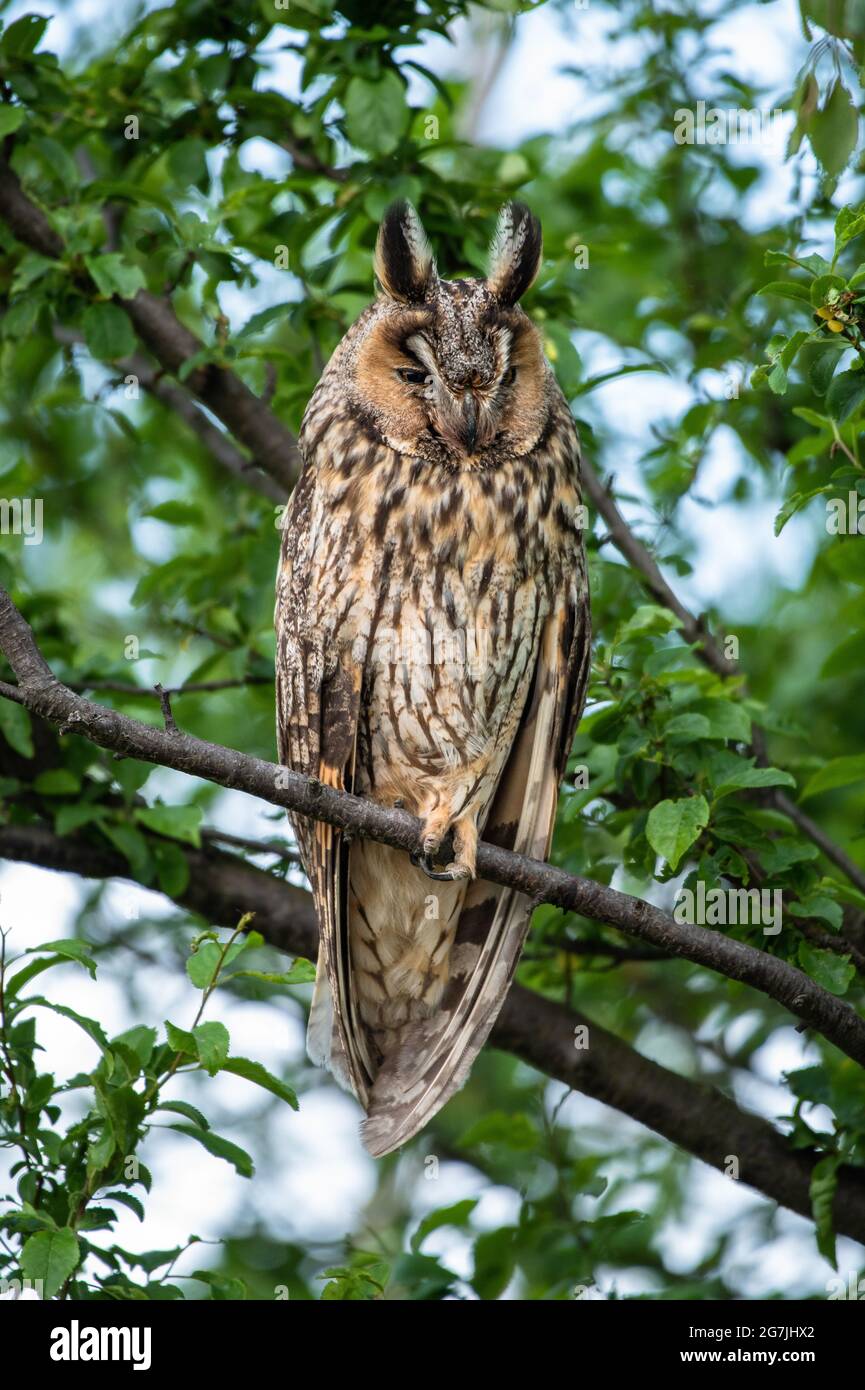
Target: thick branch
[(44, 695), (691, 1115), (178, 399), (172, 344)]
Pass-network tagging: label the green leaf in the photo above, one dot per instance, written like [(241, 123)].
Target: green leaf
[(88, 1025), (648, 618), (795, 504), (255, 1072), (212, 1042), (593, 382), (849, 223), (822, 906), (114, 275), (847, 658), (15, 728), (72, 817), (123, 1108), (811, 417), (787, 289), (815, 265), (777, 379), (822, 364), (839, 772), (826, 289), (176, 513), (673, 826), (187, 160), (57, 781), (180, 1041), (182, 1107), (376, 115), (364, 1282), (823, 1186), (834, 130), (126, 1199), (28, 972), (172, 868), (224, 1287), (50, 1256), (108, 332), (220, 1148), (727, 719), (846, 394), (424, 1278), (494, 1261), (687, 728), (302, 972), (140, 1039), (178, 822), (11, 118), (21, 39), (512, 1131), (132, 846), (68, 949), (202, 965), (746, 777), (458, 1215)]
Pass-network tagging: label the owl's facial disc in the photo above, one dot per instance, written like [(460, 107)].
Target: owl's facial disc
[(464, 381)]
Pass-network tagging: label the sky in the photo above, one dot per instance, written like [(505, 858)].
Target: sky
[(314, 1177)]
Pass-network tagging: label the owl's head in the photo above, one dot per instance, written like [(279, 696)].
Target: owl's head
[(452, 371)]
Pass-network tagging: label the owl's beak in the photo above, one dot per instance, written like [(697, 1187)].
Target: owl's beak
[(469, 422)]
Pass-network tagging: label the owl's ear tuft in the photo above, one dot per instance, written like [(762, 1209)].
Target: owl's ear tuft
[(404, 264), (515, 253)]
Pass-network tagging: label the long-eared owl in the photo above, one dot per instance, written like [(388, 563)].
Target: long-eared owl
[(433, 645)]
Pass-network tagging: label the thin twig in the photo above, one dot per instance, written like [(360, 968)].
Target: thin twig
[(165, 703)]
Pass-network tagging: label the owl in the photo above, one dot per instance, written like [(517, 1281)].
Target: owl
[(433, 639)]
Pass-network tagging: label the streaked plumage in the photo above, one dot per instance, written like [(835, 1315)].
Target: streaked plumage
[(433, 646)]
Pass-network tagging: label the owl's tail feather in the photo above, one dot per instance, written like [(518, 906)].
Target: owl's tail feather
[(431, 1058), (401, 1102), (323, 1044)]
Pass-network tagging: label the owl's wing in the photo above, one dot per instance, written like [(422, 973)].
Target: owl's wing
[(436, 1055), (318, 685)]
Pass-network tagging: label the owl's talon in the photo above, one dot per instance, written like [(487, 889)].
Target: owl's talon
[(451, 874), (425, 861)]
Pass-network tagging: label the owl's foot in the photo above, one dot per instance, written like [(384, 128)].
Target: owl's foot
[(462, 866), (426, 860)]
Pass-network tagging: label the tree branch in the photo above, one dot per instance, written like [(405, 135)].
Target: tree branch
[(172, 344), (692, 1115), (189, 688), (156, 384), (40, 692)]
